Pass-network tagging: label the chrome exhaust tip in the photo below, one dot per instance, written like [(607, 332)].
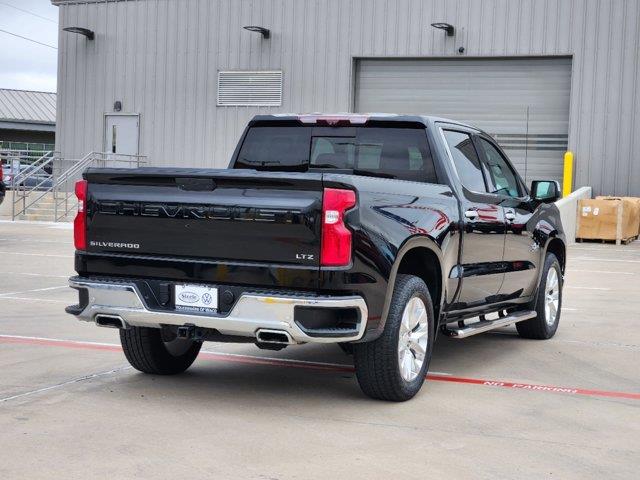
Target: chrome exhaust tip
[(110, 321), (279, 337)]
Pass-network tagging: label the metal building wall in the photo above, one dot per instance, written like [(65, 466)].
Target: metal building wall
[(161, 57)]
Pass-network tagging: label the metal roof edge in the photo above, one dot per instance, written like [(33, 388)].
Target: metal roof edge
[(6, 124), (29, 91)]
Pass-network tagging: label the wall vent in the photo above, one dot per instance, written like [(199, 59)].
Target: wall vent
[(250, 89)]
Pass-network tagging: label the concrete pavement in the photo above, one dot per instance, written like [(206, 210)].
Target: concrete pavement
[(74, 409)]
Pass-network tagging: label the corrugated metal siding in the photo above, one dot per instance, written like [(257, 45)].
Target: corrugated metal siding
[(161, 58), (522, 103), (27, 106)]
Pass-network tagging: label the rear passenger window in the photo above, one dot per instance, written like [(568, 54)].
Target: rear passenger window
[(416, 162), (274, 148), (401, 153), (466, 160), (369, 157), (333, 152)]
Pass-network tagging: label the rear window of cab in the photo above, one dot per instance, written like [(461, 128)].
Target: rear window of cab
[(401, 153)]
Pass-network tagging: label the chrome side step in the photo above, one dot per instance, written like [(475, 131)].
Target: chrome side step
[(486, 325)]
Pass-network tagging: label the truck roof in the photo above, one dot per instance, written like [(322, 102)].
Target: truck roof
[(356, 118)]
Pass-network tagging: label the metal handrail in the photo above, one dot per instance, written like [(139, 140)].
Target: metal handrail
[(63, 181), (27, 157), (20, 190), (88, 158), (62, 207), (39, 164), (59, 187), (36, 165)]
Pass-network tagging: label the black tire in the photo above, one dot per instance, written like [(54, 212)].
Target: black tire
[(538, 328), (377, 363), (146, 351)]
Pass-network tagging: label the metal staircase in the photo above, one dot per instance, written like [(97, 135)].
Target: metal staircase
[(39, 195)]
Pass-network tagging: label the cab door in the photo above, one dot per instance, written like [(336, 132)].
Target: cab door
[(481, 269), (521, 252)]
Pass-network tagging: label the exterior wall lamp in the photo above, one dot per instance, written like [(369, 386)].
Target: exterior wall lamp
[(447, 27), (80, 31), (265, 32)]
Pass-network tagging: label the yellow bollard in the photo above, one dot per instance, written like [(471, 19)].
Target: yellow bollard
[(567, 179)]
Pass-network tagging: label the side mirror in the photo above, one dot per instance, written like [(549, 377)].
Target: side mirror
[(545, 191)]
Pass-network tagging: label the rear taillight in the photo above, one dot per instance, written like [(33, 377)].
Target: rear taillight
[(80, 222), (336, 238)]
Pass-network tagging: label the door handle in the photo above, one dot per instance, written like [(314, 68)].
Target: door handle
[(471, 214), (510, 216)]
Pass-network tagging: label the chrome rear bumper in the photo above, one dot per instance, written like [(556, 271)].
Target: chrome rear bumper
[(252, 312)]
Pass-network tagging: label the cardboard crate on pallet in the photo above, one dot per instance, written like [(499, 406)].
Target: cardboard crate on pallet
[(608, 219), (635, 200)]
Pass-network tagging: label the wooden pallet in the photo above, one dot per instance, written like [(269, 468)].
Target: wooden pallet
[(623, 241)]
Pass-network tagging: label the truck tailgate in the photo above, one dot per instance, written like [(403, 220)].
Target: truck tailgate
[(230, 215)]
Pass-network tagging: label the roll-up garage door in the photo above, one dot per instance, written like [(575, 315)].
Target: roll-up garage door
[(522, 103)]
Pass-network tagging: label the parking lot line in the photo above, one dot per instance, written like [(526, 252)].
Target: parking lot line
[(34, 274), (571, 270), (575, 342), (540, 388), (28, 299), (64, 384), (36, 254), (34, 290), (38, 223), (292, 363), (614, 250), (598, 259), (603, 344), (34, 240)]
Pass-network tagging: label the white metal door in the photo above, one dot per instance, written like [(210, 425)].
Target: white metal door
[(522, 103), (121, 134)]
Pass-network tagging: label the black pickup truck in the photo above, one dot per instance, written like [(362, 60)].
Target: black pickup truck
[(375, 232)]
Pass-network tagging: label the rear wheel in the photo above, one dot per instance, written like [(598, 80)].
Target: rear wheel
[(547, 304), (393, 367), (147, 351)]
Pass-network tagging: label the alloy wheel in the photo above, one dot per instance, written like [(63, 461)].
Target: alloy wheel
[(413, 339), (552, 296)]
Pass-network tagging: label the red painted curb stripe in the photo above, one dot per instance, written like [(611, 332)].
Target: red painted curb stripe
[(535, 387), (248, 359)]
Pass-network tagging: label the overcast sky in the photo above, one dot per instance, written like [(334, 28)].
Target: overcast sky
[(23, 64)]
